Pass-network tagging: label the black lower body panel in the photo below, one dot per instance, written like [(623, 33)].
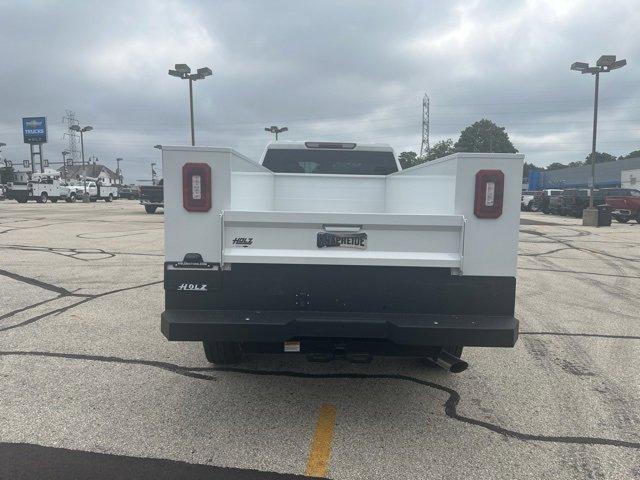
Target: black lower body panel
[(407, 329), (402, 305)]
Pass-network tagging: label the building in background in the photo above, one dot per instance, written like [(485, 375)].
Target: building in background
[(608, 174), (102, 172)]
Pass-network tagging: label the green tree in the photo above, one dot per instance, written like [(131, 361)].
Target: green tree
[(601, 157), (441, 149), (576, 164), (556, 166), (484, 136), (409, 159), (635, 153)]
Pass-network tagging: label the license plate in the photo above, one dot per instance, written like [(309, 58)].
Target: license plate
[(343, 240)]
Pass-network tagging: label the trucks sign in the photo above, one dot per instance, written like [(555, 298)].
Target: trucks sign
[(34, 129)]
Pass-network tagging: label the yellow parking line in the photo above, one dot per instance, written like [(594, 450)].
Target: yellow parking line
[(320, 451)]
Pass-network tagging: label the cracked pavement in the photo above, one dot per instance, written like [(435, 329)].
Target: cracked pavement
[(89, 387)]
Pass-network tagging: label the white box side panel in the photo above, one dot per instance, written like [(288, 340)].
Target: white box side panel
[(194, 232), (441, 166), (491, 245), (252, 191), (431, 194)]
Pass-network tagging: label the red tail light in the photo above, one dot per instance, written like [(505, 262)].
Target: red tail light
[(196, 187), (489, 193)]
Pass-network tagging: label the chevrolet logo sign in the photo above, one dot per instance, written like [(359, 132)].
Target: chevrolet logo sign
[(33, 123)]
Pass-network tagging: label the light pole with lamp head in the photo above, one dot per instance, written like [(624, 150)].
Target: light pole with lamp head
[(274, 129), (82, 130), (605, 63), (183, 71)]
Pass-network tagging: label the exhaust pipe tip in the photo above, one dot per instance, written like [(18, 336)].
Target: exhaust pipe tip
[(450, 362), (459, 367)]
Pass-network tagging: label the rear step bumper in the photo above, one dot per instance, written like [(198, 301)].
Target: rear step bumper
[(279, 326)]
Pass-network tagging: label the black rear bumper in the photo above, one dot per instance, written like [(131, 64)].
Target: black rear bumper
[(401, 329), (406, 306)]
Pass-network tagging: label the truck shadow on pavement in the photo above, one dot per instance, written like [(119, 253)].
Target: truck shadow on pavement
[(26, 461)]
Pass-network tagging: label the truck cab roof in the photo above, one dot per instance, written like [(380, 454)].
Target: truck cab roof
[(333, 158)]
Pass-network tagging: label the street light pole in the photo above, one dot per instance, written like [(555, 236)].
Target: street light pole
[(77, 128), (593, 141), (82, 146), (183, 71), (193, 135), (605, 63)]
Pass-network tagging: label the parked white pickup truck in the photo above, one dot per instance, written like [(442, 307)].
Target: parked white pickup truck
[(96, 190), (330, 249), (40, 187)]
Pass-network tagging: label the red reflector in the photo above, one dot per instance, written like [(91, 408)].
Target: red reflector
[(489, 193), (196, 187)]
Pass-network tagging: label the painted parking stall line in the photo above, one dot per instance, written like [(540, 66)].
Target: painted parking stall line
[(320, 451)]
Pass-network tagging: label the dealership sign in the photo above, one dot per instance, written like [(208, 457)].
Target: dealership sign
[(34, 129)]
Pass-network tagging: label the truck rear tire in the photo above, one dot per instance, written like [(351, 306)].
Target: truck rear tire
[(42, 198), (21, 200), (109, 198), (72, 198), (150, 208), (222, 353)]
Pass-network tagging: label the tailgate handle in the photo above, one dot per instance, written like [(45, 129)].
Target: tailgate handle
[(342, 228)]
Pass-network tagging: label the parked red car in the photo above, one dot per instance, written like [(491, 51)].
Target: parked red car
[(624, 208)]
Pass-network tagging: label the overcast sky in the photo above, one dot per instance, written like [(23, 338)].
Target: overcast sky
[(352, 71)]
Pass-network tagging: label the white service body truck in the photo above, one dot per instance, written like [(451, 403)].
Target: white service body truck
[(96, 190), (40, 187), (331, 248)]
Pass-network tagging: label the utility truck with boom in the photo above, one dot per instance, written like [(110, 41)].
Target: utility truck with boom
[(41, 187), (332, 249)]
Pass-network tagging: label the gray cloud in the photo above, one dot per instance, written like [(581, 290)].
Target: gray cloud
[(328, 70)]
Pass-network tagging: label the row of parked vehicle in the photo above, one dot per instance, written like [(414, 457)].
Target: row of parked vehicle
[(622, 203), (48, 186)]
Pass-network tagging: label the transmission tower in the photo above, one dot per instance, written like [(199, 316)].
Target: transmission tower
[(71, 136), (424, 146)]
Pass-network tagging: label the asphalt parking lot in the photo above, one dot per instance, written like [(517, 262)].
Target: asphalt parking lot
[(89, 387)]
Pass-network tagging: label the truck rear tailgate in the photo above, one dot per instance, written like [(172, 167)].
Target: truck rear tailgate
[(381, 239)]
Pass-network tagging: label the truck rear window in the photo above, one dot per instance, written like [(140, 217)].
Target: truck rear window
[(342, 162)]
